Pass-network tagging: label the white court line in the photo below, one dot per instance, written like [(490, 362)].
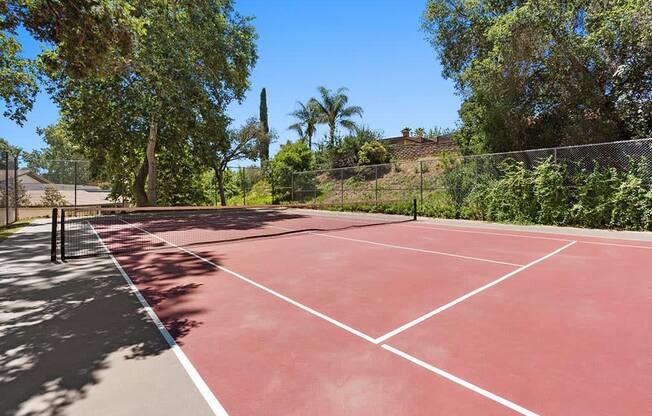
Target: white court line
[(460, 381), (265, 288), (420, 250), (199, 382), (376, 341), (496, 231), (615, 244), (468, 295), (435, 227), (572, 237)]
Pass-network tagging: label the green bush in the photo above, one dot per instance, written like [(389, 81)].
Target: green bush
[(458, 178), (631, 201), (594, 197), (292, 157), (53, 198), (512, 197), (373, 153), (551, 193)]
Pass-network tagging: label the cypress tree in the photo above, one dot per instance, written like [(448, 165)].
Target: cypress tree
[(264, 126)]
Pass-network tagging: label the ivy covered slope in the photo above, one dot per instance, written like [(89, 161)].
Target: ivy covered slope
[(551, 193)]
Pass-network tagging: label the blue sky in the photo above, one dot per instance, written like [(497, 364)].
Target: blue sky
[(374, 48)]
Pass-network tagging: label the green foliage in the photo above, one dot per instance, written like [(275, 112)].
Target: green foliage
[(308, 117), (18, 87), (292, 157), (345, 152), (180, 179), (545, 73), (551, 192), (166, 95), (332, 110), (6, 147), (373, 153), (53, 198), (631, 201), (594, 197), (512, 197), (458, 180)]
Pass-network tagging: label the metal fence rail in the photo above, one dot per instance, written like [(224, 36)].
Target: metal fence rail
[(423, 179)]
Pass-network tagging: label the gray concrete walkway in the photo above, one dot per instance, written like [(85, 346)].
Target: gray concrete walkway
[(75, 341)]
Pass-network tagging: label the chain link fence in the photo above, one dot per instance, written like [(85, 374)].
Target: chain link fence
[(8, 189), (427, 179), (44, 184)]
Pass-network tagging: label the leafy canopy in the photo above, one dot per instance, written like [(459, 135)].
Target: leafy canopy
[(546, 73)]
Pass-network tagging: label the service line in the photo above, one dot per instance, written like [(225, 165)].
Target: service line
[(467, 296), (419, 250)]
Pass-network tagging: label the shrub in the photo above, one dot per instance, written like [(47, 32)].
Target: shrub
[(631, 201), (292, 157), (512, 198), (593, 197), (373, 153), (53, 198), (551, 192), (458, 178)]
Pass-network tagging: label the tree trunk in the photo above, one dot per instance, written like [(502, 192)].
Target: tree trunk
[(139, 185), (332, 134), (151, 161), (219, 174)]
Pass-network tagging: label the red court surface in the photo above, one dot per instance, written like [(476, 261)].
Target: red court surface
[(405, 319)]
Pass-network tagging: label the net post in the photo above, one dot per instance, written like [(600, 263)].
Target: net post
[(414, 209), (63, 235), (53, 236)]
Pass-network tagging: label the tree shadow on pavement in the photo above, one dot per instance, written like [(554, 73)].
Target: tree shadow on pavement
[(60, 322)]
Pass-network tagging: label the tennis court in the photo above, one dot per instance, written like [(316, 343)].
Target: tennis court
[(297, 311)]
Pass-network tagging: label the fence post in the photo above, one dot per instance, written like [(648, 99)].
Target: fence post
[(75, 164), (53, 236), (420, 182), (271, 181), (16, 202), (63, 234), (376, 184), (6, 181), (244, 186), (555, 154), (342, 187), (292, 187)]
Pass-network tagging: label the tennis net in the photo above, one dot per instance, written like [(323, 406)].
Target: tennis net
[(93, 231)]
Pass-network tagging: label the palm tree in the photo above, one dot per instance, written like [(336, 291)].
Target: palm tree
[(308, 117), (333, 111)]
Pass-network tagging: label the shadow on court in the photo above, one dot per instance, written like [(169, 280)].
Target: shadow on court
[(63, 326)]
